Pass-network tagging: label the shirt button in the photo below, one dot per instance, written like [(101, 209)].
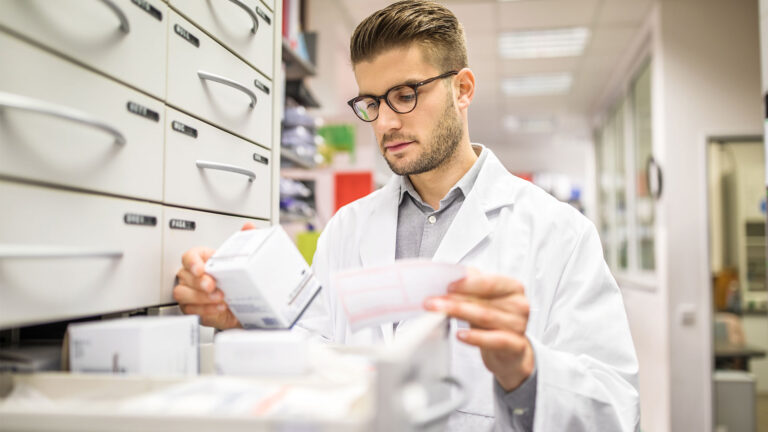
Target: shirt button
[(432, 219)]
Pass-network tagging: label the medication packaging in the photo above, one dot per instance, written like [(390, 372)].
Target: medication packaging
[(266, 282), (138, 345)]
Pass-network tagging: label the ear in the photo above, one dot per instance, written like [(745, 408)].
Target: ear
[(465, 88)]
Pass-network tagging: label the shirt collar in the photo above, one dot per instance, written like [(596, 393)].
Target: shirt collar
[(464, 185)]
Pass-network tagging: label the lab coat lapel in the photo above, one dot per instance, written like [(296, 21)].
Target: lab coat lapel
[(377, 242), (471, 224)]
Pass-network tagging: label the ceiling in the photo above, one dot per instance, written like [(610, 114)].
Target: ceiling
[(613, 25)]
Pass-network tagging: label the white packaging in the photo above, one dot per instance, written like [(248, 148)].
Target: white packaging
[(139, 345), (265, 280), (261, 352)]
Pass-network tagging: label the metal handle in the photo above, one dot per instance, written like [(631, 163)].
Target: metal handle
[(441, 410), (226, 167), (47, 252), (226, 81), (9, 100), (651, 163), (124, 25), (250, 13)]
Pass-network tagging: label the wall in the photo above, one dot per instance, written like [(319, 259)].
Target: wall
[(709, 84)]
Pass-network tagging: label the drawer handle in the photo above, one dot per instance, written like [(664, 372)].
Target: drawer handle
[(124, 26), (250, 13), (226, 167), (226, 81), (48, 252), (8, 100)]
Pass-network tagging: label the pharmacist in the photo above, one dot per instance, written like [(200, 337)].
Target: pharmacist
[(542, 335)]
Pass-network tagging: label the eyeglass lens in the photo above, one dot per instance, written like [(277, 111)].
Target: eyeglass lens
[(402, 99)]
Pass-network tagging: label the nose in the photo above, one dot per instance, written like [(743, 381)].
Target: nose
[(388, 120)]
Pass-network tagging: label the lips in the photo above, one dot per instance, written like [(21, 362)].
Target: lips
[(397, 146)]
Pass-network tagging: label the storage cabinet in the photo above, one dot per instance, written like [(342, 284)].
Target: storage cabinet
[(123, 143)]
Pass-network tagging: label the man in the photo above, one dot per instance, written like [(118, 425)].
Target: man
[(543, 338)]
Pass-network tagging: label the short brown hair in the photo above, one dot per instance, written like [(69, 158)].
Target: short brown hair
[(427, 23)]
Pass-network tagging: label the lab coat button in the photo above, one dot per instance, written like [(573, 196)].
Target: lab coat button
[(432, 219)]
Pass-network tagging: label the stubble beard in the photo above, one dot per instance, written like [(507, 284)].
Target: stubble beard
[(446, 138)]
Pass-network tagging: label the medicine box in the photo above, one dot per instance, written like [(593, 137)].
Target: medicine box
[(144, 345), (261, 352), (266, 282)]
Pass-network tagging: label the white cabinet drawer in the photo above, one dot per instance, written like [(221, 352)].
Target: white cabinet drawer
[(234, 101), (184, 229), (67, 254), (66, 125), (246, 28), (207, 168), (91, 32)]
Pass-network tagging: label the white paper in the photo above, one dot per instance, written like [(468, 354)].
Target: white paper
[(392, 293)]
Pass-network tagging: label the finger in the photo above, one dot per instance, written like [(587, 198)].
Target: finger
[(195, 258), (204, 310), (203, 283), (486, 286), (248, 226), (513, 303), (496, 340), (480, 315), (185, 295)]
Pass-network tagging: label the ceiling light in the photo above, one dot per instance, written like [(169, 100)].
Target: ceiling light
[(563, 42), (530, 85)]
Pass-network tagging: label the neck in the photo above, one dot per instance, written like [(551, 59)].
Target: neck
[(433, 185)]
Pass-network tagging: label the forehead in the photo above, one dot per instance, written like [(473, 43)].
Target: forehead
[(392, 67)]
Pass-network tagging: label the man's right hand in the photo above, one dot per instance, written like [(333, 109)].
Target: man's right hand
[(197, 293)]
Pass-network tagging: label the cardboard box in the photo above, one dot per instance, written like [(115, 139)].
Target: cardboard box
[(261, 352), (139, 345), (266, 282)]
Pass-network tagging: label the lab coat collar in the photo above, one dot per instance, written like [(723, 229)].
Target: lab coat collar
[(494, 188)]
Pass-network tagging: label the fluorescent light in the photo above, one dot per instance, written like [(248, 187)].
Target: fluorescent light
[(544, 84), (563, 42)]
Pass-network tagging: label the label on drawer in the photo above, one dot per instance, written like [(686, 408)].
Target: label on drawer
[(139, 219), (189, 37), (148, 8), (261, 86), (260, 159), (143, 111), (181, 224), (263, 15), (186, 130)]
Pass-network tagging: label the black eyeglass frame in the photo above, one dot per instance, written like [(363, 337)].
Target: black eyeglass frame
[(378, 99)]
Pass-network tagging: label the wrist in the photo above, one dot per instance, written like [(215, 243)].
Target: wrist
[(515, 377)]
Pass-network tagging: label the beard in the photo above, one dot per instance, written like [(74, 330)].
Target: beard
[(446, 138)]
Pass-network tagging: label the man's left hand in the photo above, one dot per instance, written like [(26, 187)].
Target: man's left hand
[(497, 311)]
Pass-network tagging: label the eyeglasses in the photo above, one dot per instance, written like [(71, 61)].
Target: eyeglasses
[(402, 99)]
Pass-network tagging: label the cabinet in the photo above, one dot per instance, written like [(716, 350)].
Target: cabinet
[(130, 130)]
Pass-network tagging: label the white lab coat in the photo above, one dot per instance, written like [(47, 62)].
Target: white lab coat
[(586, 362)]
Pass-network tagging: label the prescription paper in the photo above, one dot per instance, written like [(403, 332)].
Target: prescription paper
[(392, 293)]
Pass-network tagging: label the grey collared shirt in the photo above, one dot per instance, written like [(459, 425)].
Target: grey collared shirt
[(420, 229)]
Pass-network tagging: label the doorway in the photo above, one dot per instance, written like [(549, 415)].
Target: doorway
[(737, 243)]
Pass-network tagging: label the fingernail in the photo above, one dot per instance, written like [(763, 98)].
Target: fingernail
[(434, 304), (204, 284), (197, 270), (221, 307), (462, 334), (214, 296)]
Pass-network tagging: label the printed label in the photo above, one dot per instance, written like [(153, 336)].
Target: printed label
[(139, 219), (181, 224), (263, 15), (143, 111), (148, 8), (261, 86), (186, 130), (260, 159), (189, 37)]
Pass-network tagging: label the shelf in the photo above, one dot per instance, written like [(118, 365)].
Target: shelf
[(297, 160), (296, 67)]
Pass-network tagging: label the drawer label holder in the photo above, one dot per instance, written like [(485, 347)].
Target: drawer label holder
[(181, 224), (263, 15), (260, 159), (139, 219), (143, 111), (182, 128), (148, 8), (189, 37), (261, 86)]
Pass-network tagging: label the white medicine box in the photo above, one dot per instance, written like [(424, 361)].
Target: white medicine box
[(156, 346), (265, 279)]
